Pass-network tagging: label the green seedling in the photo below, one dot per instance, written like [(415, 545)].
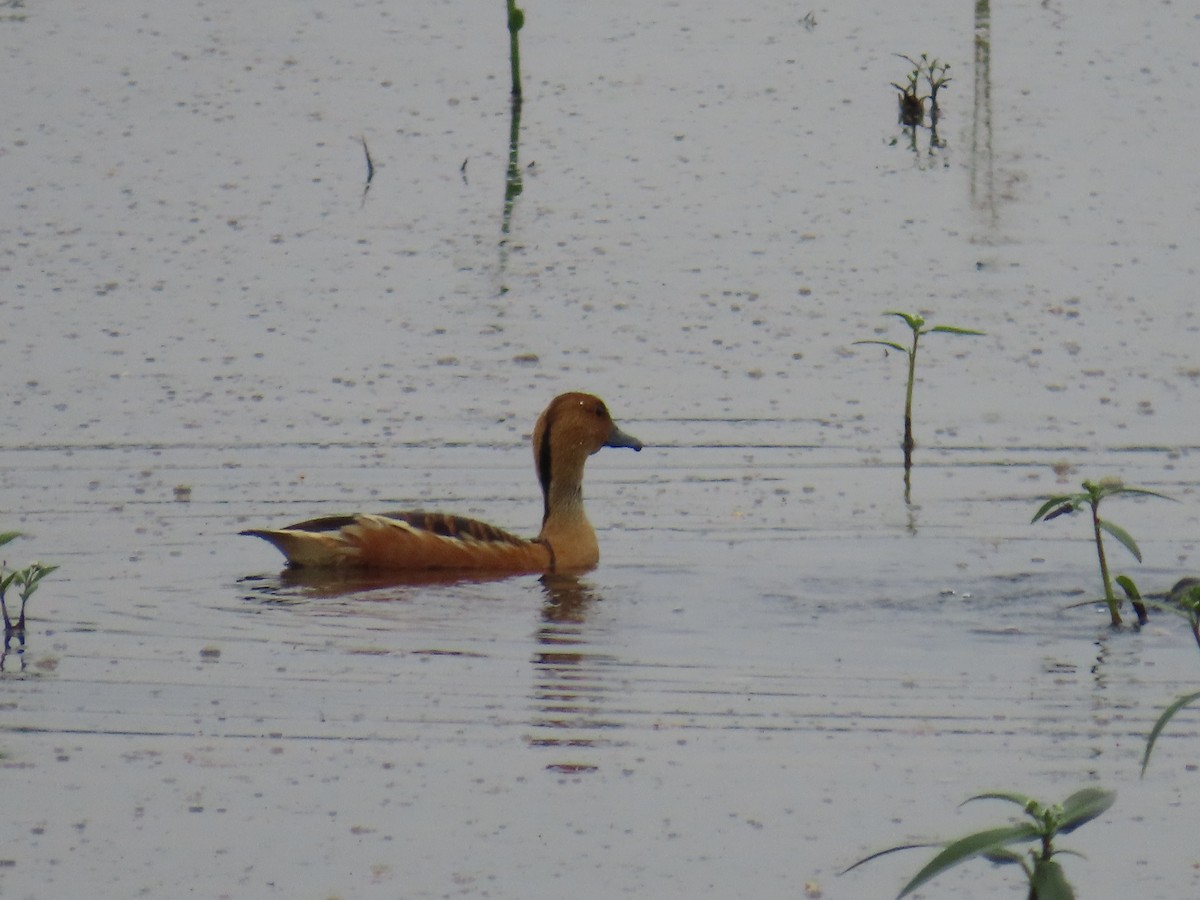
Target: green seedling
[(25, 581), (516, 21), (1044, 823), (917, 325), (1091, 496), (1184, 600)]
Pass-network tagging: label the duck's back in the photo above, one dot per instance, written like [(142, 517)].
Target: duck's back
[(410, 539)]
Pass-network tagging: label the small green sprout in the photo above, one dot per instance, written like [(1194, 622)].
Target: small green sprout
[(916, 324), (26, 581)]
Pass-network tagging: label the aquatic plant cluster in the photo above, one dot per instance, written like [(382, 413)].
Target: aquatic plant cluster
[(1044, 875), (26, 581), (912, 103), (929, 75)]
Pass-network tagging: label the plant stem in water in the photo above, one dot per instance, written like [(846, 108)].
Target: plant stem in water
[(1109, 597)]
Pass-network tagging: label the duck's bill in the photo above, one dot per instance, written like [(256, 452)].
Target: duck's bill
[(618, 438)]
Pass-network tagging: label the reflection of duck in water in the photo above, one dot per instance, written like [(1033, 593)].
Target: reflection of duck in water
[(572, 428), (573, 696), (567, 602)]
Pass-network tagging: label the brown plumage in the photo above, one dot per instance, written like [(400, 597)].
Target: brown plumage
[(572, 428)]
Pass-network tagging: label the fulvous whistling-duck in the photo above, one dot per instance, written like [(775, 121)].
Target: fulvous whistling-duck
[(572, 428)]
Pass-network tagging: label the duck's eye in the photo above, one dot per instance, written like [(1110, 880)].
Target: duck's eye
[(601, 411)]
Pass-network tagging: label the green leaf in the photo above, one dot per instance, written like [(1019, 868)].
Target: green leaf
[(867, 859), (950, 329), (1166, 717), (42, 569), (1083, 806), (1085, 604), (1074, 853), (1005, 857), (891, 344), (977, 844), (1157, 605), (1186, 591), (1127, 585), (1068, 502), (912, 320), (1124, 537), (1121, 489), (8, 536), (1021, 800), (1049, 882)]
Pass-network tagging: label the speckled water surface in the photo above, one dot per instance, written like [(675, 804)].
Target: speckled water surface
[(780, 665)]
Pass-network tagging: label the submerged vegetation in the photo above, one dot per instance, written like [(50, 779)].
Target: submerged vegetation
[(1091, 496)]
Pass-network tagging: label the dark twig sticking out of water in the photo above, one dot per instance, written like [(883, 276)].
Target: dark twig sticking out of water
[(370, 169), (513, 184)]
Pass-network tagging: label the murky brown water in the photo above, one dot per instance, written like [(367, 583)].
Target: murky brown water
[(780, 665)]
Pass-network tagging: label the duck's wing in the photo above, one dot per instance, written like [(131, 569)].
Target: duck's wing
[(406, 540)]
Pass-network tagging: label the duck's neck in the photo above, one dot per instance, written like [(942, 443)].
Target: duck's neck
[(565, 525), (563, 504)]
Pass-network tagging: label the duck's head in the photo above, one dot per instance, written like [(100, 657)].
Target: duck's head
[(572, 428)]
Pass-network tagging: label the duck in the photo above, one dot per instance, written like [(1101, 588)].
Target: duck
[(573, 427)]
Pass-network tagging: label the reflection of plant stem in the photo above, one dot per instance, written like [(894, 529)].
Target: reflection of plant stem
[(1109, 596), (512, 180), (983, 189), (516, 19), (370, 169), (512, 176)]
